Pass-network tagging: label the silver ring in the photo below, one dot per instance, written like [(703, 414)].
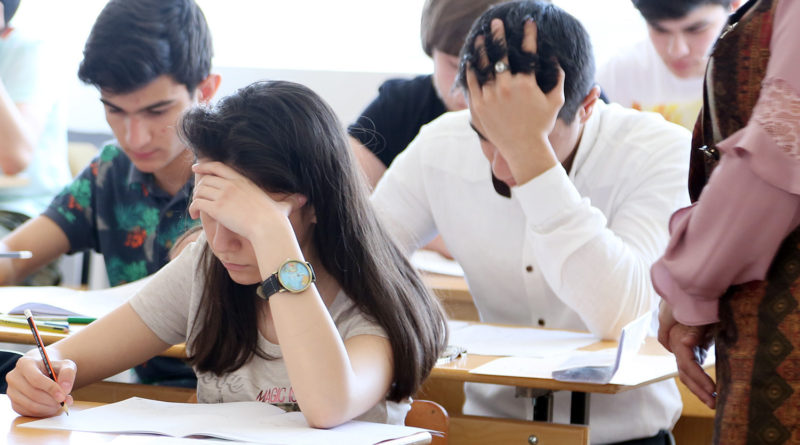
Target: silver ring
[(500, 67)]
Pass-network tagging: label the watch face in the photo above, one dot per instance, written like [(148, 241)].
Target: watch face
[(295, 276)]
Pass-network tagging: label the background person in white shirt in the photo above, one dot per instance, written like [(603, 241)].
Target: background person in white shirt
[(553, 203), (664, 73)]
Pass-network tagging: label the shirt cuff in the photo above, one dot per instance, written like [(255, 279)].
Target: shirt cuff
[(687, 309), (546, 198)]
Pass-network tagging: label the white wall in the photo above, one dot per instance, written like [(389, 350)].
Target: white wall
[(342, 49)]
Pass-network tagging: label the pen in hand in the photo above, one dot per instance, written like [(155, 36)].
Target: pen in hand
[(39, 344)]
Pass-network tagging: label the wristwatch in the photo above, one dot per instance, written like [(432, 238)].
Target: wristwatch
[(293, 276)]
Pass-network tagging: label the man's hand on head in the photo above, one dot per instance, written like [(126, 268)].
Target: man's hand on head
[(513, 112)]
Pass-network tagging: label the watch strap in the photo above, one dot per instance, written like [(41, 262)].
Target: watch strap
[(269, 287)]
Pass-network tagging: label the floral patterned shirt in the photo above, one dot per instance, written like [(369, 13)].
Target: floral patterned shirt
[(118, 211)]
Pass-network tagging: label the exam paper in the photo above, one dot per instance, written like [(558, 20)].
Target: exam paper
[(520, 342), (431, 261), (256, 422), (622, 365), (56, 300), (600, 366), (164, 440)]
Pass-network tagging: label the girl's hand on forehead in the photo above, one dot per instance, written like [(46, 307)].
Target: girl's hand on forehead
[(236, 202)]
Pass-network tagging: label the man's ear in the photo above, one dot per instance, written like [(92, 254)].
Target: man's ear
[(587, 106), (208, 87), (735, 5)]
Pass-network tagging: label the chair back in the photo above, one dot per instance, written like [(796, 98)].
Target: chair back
[(431, 416)]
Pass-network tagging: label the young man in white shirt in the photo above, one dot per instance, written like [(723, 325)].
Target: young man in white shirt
[(664, 73), (553, 203)]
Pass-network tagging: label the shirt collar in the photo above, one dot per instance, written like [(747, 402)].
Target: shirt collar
[(148, 181)]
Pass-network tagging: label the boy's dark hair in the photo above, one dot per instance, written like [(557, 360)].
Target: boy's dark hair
[(133, 42), (445, 23), (653, 10), (9, 8), (286, 139), (560, 37)]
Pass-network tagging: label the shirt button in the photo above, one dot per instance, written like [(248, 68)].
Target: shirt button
[(541, 322), (529, 268)]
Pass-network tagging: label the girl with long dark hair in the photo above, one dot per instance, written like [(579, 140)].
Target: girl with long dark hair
[(293, 295)]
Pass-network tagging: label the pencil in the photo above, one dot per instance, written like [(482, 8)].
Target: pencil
[(40, 345), (23, 254)]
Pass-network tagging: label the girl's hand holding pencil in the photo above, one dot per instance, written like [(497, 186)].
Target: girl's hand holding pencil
[(38, 386)]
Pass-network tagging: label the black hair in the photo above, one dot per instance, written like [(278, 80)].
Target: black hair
[(286, 139), (133, 42), (653, 10), (560, 38)]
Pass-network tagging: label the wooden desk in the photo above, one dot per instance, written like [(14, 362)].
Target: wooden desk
[(29, 436), (23, 336), (454, 295)]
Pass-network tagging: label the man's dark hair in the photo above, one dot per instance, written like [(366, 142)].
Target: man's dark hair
[(445, 23), (9, 8), (560, 38), (653, 10), (133, 42)]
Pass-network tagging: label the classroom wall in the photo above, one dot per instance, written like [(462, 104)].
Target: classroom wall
[(342, 49)]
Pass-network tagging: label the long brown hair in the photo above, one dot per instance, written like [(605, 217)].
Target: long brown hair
[(285, 138)]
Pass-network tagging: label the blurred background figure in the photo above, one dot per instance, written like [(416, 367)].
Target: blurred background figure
[(664, 73), (33, 133), (403, 106)]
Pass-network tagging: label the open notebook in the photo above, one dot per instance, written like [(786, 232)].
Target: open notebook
[(62, 301), (256, 422)]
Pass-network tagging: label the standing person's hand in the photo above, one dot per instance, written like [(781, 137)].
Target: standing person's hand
[(512, 111), (33, 393), (690, 345)]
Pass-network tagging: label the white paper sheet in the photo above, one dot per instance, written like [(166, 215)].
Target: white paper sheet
[(600, 366), (625, 365), (431, 261), (519, 342), (245, 421), (139, 439), (66, 301)]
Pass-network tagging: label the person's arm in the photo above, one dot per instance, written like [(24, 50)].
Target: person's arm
[(400, 199), (21, 125), (40, 235), (357, 373), (371, 166), (752, 200), (116, 342)]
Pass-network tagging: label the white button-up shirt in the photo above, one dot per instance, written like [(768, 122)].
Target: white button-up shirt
[(565, 251)]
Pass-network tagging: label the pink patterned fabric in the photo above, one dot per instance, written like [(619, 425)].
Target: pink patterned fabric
[(752, 200), (778, 112)]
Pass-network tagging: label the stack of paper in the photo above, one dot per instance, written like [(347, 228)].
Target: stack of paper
[(255, 422)]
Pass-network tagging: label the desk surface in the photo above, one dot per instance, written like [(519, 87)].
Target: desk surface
[(29, 436), (23, 337), (456, 370), (460, 370)]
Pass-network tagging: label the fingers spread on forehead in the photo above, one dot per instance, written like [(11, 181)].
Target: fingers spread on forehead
[(497, 47), (480, 61), (474, 88), (529, 36)]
